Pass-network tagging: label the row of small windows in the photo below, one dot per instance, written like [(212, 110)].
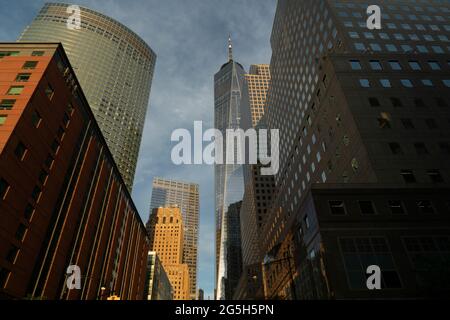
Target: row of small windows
[(402, 8), (421, 149), (17, 53), (395, 207), (395, 65), (401, 37), (406, 83), (404, 48), (418, 102)]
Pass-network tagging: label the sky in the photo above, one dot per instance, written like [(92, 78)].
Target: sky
[(190, 40)]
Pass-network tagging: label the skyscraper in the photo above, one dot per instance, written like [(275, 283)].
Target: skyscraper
[(363, 110), (115, 68), (254, 93), (228, 178), (63, 201), (166, 239), (166, 193), (258, 189)]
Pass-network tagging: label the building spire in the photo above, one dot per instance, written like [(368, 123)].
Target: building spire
[(230, 48)]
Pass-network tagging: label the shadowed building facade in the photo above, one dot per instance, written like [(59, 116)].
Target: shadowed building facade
[(359, 109), (62, 199), (115, 68), (158, 285)]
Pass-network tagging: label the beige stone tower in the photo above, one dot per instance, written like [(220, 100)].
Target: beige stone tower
[(166, 239)]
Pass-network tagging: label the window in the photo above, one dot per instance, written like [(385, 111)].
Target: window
[(306, 221), (419, 103), (337, 207), (4, 187), (431, 124), (49, 92), (12, 254), (66, 119), (8, 54), (360, 46), (391, 48), (15, 90), (445, 147), (375, 47), (384, 121), (49, 161), (435, 176), (20, 151), (355, 64), (415, 65), (4, 273), (37, 53), (434, 65), (427, 83), (20, 233), (3, 119), (36, 118), (7, 104), (425, 206), (55, 146), (395, 148), (43, 176), (36, 193), (385, 83), (29, 210), (408, 176), (446, 83), (396, 207), (374, 102), (375, 65), (421, 148), (408, 124), (365, 83), (366, 207), (30, 65), (396, 102), (406, 83), (395, 65), (23, 77), (440, 102)]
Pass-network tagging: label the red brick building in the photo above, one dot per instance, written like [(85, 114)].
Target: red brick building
[(62, 199)]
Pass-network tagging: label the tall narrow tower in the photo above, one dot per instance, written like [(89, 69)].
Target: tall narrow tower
[(115, 69), (228, 178)]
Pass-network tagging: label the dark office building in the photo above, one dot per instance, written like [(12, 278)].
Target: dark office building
[(346, 228), (233, 249), (62, 199), (158, 285), (363, 110)]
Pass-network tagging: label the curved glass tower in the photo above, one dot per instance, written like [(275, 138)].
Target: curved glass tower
[(115, 69)]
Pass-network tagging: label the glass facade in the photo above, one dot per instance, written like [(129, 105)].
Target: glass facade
[(228, 178), (115, 69)]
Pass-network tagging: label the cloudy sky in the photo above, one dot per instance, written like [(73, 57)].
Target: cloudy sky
[(190, 39)]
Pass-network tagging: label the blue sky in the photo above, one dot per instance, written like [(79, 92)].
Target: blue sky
[(190, 39)]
